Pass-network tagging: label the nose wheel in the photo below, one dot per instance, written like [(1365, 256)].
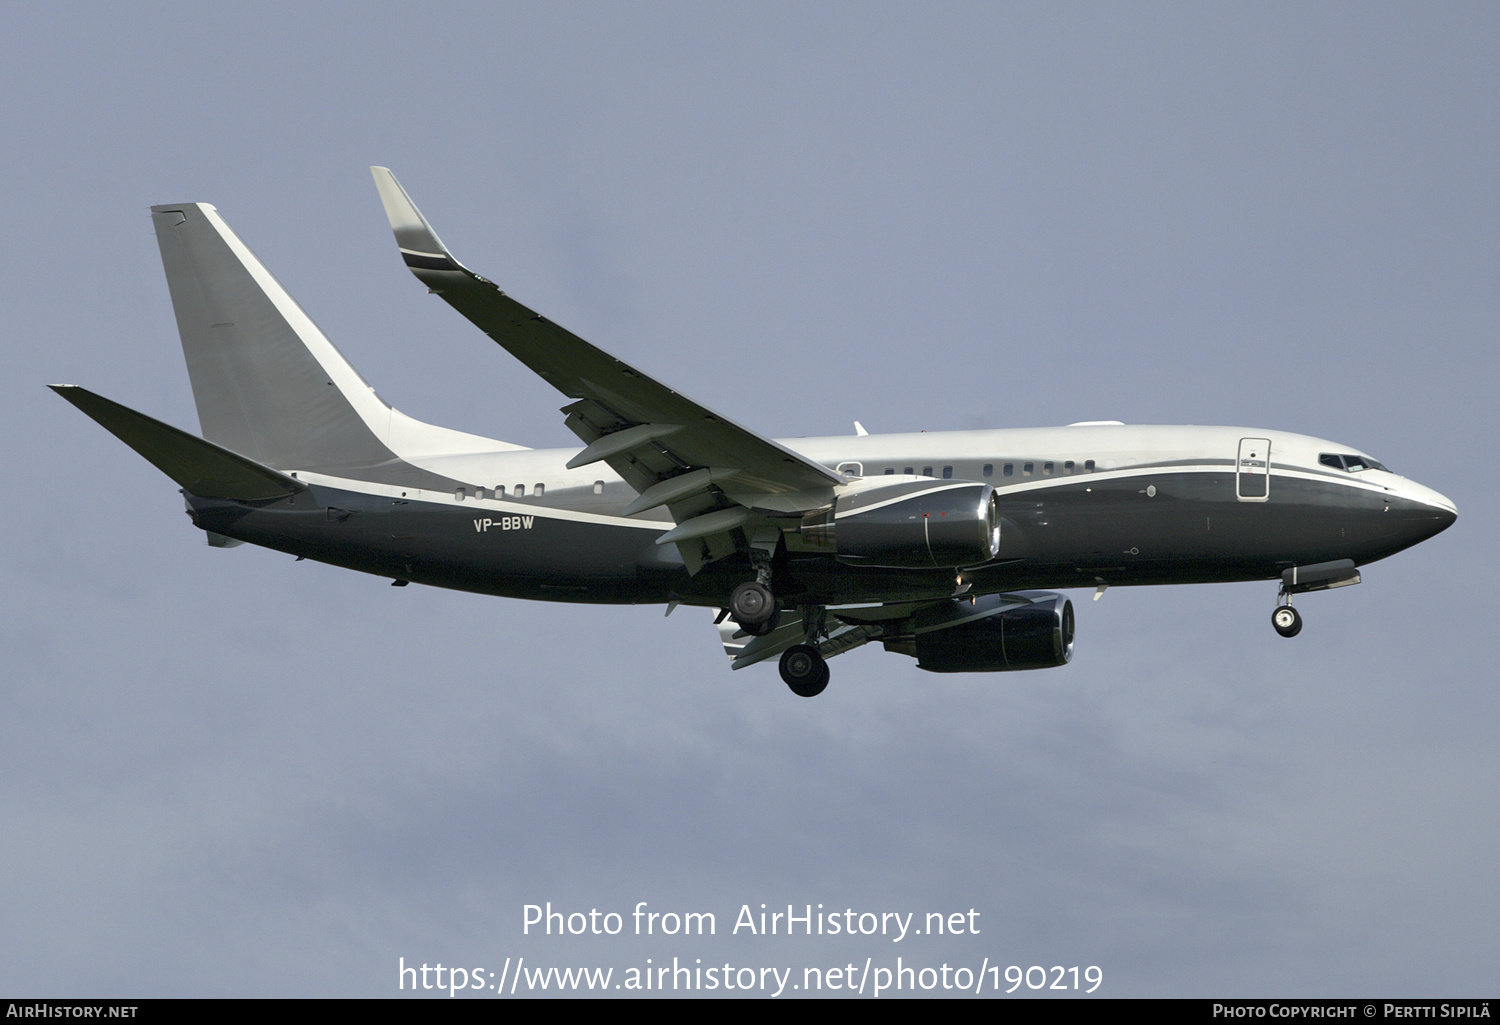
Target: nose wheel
[(1287, 621), (804, 670)]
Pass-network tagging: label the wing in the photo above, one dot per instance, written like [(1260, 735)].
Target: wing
[(842, 635), (714, 476), (843, 628)]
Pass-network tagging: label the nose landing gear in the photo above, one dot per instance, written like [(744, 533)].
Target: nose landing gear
[(1286, 619), (1318, 576)]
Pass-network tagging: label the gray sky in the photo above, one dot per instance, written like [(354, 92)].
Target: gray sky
[(226, 773)]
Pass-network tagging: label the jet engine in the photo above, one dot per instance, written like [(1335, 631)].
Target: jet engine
[(991, 633), (912, 525)]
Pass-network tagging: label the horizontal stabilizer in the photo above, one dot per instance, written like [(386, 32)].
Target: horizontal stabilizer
[(199, 467)]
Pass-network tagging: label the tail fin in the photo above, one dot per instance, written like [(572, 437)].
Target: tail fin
[(268, 384)]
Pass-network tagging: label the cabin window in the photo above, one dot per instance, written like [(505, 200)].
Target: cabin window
[(520, 490), (458, 493), (1027, 468), (1046, 469), (598, 487), (1009, 470), (908, 471), (1068, 466), (1088, 466), (927, 471), (539, 490), (989, 469), (890, 469), (947, 472)]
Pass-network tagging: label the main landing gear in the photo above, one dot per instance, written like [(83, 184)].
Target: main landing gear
[(752, 604), (753, 607), (804, 670)]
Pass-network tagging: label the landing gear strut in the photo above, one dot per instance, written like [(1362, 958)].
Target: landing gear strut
[(804, 670), (1285, 619)]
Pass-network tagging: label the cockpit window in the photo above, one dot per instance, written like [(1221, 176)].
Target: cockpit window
[(1349, 461)]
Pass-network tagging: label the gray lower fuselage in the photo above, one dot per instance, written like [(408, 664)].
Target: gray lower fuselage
[(1080, 506)]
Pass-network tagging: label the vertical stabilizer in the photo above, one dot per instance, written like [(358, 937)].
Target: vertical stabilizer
[(266, 381), (268, 384)]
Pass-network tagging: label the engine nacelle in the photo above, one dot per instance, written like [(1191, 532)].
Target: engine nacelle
[(911, 525), (998, 633)]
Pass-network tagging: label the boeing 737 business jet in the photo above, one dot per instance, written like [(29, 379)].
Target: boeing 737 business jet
[(930, 544)]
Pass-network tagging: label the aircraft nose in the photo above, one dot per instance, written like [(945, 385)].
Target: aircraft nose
[(1441, 505), (1446, 518), (1426, 511)]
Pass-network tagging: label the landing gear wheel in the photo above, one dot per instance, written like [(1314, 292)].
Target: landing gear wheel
[(804, 670), (1286, 621), (752, 604)]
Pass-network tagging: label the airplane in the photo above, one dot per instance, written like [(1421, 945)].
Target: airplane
[(945, 547)]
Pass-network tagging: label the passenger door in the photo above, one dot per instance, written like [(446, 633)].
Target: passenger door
[(1252, 476)]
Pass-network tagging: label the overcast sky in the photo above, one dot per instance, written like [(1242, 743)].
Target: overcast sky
[(229, 773)]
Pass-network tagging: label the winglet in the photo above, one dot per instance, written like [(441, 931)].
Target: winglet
[(200, 467), (420, 246)]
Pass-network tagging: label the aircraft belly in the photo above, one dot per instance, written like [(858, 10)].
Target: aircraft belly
[(822, 580), (483, 548)]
